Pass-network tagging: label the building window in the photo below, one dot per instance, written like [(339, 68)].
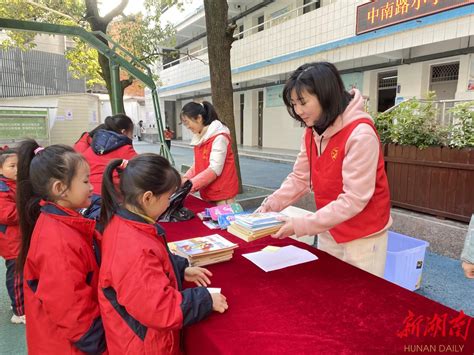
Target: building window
[(260, 21), (315, 4), (444, 72), (241, 29)]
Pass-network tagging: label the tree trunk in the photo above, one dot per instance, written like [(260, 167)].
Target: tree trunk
[(219, 43), (98, 23)]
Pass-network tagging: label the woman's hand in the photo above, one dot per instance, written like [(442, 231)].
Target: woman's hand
[(198, 275), (468, 269), (286, 229), (219, 302)]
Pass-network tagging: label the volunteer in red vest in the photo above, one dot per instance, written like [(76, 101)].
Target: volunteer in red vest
[(341, 161), (213, 173)]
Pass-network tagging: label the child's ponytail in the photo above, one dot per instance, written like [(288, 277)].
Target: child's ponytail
[(27, 202), (110, 199)]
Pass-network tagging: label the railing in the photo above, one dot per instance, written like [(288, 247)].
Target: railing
[(444, 117), (277, 20)]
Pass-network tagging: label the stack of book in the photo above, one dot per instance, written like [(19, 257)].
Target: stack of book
[(201, 251), (253, 226), (219, 217)]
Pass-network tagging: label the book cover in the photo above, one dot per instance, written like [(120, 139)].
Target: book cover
[(259, 219), (215, 212)]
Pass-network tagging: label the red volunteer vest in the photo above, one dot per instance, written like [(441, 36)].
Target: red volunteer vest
[(326, 178), (226, 185)]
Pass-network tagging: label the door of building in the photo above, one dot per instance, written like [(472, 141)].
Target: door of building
[(242, 106), (260, 118), (387, 90)]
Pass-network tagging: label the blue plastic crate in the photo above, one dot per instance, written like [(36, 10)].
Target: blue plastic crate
[(405, 259)]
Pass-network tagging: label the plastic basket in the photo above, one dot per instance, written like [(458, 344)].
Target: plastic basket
[(405, 259)]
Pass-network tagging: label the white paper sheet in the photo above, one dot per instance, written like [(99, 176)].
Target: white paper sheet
[(214, 289), (284, 257)]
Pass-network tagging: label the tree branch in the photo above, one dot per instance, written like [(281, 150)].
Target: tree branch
[(115, 12), (158, 54), (91, 9)]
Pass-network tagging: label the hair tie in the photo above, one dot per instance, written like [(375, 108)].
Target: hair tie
[(5, 147), (124, 164), (304, 71), (37, 150)]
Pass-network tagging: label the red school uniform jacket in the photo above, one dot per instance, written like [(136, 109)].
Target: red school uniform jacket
[(224, 186), (60, 285), (83, 143), (106, 146), (140, 300), (10, 238)]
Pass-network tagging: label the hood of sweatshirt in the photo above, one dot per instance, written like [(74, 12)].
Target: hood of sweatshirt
[(216, 127), (353, 111), (106, 141)]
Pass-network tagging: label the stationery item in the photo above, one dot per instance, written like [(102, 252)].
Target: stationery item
[(282, 258)]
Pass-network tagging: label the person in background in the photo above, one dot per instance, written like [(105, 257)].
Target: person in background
[(59, 253), (85, 139), (140, 130), (169, 135), (113, 141), (467, 255), (213, 172), (341, 159), (10, 237), (142, 301)]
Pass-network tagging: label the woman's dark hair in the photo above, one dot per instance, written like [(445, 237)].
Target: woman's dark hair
[(322, 80), (36, 175), (145, 172), (193, 109), (118, 122), (5, 153)]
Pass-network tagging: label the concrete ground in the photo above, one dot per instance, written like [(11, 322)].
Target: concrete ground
[(443, 279)]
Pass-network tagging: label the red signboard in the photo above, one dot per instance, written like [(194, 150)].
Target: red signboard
[(383, 13)]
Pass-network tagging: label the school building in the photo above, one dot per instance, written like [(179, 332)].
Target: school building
[(391, 50)]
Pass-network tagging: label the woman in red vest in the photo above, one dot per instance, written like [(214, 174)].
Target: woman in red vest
[(213, 173), (341, 160)]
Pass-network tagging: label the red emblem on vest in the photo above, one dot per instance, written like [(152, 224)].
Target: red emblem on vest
[(334, 153)]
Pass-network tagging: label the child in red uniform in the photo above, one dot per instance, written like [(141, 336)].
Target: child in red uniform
[(10, 231), (213, 173), (114, 141), (141, 298), (85, 139), (59, 252)]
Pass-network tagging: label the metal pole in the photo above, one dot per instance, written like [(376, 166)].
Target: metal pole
[(116, 90)]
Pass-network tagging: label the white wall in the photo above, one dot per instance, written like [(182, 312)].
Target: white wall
[(464, 72)]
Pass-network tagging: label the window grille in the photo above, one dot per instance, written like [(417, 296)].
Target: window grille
[(388, 80), (444, 72)]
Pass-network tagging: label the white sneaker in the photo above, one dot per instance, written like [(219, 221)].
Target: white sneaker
[(18, 319)]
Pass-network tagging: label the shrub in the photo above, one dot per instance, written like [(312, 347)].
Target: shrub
[(414, 122)]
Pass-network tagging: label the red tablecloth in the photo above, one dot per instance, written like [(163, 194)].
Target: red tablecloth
[(322, 307)]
